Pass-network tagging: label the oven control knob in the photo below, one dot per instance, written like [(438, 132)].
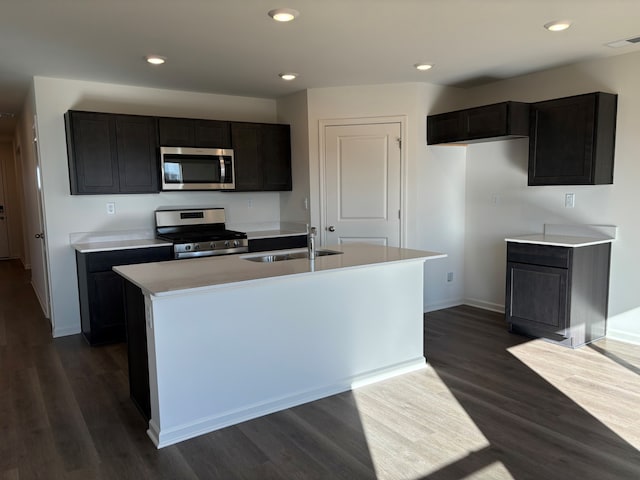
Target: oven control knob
[(236, 243), (212, 245), (227, 243), (187, 247), (197, 246)]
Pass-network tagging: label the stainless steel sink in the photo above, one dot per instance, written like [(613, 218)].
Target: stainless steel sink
[(279, 257)]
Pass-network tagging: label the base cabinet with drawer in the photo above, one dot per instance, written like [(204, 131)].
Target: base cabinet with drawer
[(558, 293), (102, 303)]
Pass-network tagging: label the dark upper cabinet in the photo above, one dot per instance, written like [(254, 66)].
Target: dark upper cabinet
[(262, 154), (276, 145), (572, 140), (558, 293), (186, 132), (111, 153), (491, 122)]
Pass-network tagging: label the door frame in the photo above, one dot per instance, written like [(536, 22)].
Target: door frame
[(322, 125)]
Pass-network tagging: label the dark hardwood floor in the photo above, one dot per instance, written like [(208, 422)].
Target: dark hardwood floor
[(490, 405)]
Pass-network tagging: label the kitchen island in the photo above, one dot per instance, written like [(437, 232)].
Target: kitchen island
[(230, 339)]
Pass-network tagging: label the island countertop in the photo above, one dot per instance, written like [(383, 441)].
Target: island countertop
[(181, 276)]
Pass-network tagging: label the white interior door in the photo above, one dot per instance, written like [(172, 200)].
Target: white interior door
[(4, 237), (362, 179), (39, 261)]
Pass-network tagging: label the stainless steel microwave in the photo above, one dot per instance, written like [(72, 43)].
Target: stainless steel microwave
[(185, 168)]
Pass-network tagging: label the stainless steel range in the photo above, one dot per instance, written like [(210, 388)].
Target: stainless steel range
[(199, 232)]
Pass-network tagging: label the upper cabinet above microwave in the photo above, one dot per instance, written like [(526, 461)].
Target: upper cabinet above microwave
[(481, 124), (187, 132), (572, 140), (111, 153)]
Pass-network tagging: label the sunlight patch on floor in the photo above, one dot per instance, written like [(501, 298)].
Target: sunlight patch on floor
[(420, 433), (601, 386)]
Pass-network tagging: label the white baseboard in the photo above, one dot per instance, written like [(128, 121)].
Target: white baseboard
[(623, 336), (493, 307), (166, 437), (63, 332), (432, 307)]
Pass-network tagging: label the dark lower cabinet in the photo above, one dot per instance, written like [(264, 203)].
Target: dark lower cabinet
[(277, 243), (102, 304), (138, 355), (558, 293)]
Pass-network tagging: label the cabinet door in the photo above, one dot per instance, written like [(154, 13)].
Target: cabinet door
[(137, 154), (93, 161), (445, 127), (247, 149), (212, 134), (572, 140), (561, 142), (176, 132), (276, 149), (537, 297), (107, 307), (484, 122)]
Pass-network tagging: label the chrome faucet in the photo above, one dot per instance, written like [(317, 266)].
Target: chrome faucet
[(311, 243)]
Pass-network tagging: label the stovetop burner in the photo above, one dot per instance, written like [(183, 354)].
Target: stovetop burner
[(199, 232)]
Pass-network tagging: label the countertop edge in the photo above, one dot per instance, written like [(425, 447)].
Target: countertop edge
[(583, 242), (93, 247), (248, 282)]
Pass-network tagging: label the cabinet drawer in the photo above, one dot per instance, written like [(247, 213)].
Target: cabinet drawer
[(546, 255), (103, 261)]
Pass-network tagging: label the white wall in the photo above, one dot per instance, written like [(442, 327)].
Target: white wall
[(434, 190), (293, 110), (500, 168), (67, 214)]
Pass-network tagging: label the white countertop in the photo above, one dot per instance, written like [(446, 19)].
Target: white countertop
[(569, 235), (559, 240), (275, 233), (179, 276), (91, 247)]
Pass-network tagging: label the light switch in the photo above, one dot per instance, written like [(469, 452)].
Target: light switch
[(111, 208)]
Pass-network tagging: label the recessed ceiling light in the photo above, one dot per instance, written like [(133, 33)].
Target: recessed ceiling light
[(283, 14), (558, 25), (423, 67), (155, 59), (288, 76)]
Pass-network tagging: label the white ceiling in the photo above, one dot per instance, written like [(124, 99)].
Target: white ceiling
[(233, 47)]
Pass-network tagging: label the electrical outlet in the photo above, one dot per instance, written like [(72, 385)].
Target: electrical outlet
[(449, 277), (569, 200), (250, 203), (111, 208)]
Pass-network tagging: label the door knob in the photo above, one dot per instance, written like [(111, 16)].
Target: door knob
[(39, 235), (331, 228)]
